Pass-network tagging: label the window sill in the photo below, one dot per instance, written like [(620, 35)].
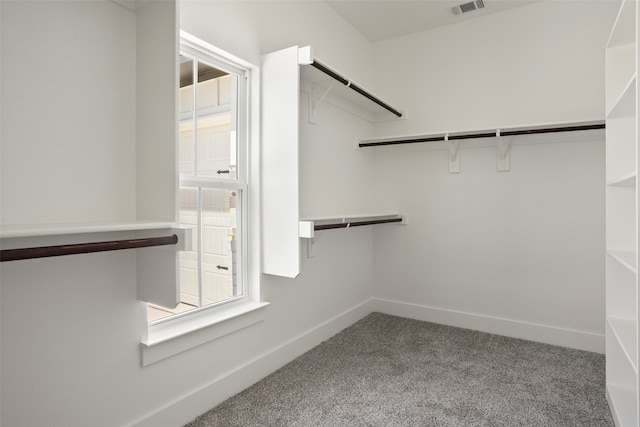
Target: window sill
[(175, 336)]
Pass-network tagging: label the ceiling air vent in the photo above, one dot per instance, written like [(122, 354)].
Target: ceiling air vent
[(467, 7)]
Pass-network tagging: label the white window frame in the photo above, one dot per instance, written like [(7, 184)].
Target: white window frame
[(168, 336), (240, 113)]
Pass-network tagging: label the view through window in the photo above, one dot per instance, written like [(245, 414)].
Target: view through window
[(212, 184)]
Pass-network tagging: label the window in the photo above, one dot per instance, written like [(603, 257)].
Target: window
[(213, 153)]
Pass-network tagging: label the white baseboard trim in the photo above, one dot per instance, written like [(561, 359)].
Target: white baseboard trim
[(185, 408), (495, 325)]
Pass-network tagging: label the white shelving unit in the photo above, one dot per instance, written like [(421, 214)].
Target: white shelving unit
[(281, 74), (622, 217)]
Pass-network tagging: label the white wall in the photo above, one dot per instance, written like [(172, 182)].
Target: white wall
[(536, 64), (71, 326), (68, 112), (517, 253), (252, 28)]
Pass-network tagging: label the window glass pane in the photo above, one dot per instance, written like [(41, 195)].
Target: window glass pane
[(208, 273), (186, 137), (216, 139), (189, 280), (211, 151), (214, 148), (220, 249)]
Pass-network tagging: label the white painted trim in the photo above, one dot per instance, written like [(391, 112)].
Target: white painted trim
[(12, 231), (182, 334), (570, 338), (181, 410)]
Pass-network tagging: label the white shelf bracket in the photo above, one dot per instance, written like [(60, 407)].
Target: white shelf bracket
[(454, 155), (306, 231), (310, 244), (503, 151), (313, 104)]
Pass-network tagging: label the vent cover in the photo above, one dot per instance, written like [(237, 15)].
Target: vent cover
[(467, 7)]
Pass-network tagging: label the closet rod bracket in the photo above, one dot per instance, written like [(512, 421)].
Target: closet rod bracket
[(313, 103), (454, 154), (503, 152)]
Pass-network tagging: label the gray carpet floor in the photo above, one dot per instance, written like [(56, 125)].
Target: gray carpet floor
[(391, 371)]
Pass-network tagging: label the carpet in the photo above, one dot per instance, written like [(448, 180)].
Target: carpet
[(392, 371)]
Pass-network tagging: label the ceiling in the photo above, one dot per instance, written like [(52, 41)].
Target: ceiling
[(384, 19)]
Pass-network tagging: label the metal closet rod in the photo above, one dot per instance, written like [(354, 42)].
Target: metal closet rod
[(354, 87), (355, 224), (484, 135), (85, 248)]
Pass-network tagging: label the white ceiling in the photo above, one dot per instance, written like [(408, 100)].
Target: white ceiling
[(383, 19)]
